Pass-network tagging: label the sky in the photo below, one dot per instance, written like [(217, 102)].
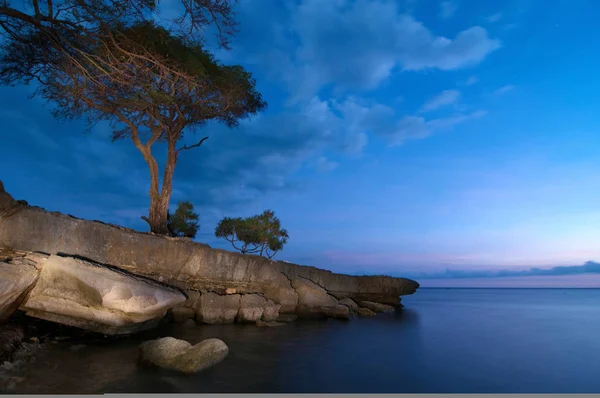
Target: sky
[(411, 138)]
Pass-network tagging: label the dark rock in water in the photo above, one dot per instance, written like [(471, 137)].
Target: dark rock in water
[(286, 318), (365, 312), (11, 337), (269, 324), (181, 314), (179, 355), (189, 323), (376, 307)]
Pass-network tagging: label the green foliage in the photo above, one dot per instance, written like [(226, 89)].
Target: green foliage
[(260, 234), (184, 222)]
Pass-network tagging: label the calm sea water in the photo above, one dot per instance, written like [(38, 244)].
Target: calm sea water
[(445, 340)]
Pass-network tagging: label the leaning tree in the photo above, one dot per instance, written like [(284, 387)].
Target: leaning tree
[(151, 83)]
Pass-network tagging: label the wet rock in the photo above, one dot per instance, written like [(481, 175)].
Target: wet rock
[(269, 324), (271, 312), (181, 314), (286, 318), (348, 302), (214, 308), (189, 323), (365, 312), (252, 307), (11, 337), (181, 356), (377, 307)]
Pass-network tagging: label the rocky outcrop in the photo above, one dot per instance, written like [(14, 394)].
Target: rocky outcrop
[(365, 312), (181, 356), (351, 304), (89, 296), (19, 272), (221, 286)]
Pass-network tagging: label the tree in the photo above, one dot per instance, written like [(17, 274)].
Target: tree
[(260, 234), (150, 84), (184, 222)]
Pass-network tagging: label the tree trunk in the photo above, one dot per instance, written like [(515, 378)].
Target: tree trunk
[(158, 213)]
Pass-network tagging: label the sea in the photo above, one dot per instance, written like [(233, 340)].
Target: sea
[(455, 340)]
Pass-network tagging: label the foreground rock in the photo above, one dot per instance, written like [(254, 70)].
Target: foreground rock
[(222, 287), (365, 312), (11, 337), (86, 295), (181, 356), (18, 274)]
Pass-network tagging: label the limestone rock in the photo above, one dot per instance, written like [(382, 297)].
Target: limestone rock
[(348, 302), (315, 302), (376, 307), (271, 312), (90, 296), (181, 314), (179, 355), (19, 272), (213, 308), (252, 307), (365, 312)]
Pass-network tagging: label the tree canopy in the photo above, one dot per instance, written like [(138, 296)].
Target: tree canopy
[(184, 221), (261, 234)]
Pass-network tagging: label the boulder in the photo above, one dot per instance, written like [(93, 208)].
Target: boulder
[(365, 312), (181, 314), (179, 355), (271, 312), (19, 273), (214, 308), (377, 307), (11, 336), (252, 307), (94, 297), (189, 323), (348, 302)]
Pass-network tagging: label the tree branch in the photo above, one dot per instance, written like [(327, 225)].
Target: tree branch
[(185, 147)]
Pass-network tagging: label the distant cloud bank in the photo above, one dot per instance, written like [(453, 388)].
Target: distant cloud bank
[(589, 267)]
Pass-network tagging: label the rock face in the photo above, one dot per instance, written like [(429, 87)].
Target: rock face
[(179, 355), (19, 272), (222, 286), (82, 294), (348, 302)]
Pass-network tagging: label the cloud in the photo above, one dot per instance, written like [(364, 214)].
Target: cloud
[(589, 267), (447, 97), (494, 18), (504, 89), (325, 165), (349, 45), (447, 9), (471, 81), (416, 127)]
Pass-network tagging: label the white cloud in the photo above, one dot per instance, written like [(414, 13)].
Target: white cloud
[(494, 18), (445, 98), (447, 9), (472, 80), (504, 89), (325, 165), (351, 45), (415, 127)]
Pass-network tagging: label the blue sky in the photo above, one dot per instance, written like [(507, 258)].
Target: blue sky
[(404, 137)]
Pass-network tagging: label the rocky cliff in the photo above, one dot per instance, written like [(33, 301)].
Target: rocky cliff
[(219, 286)]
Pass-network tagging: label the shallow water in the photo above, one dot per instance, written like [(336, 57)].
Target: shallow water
[(445, 340)]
